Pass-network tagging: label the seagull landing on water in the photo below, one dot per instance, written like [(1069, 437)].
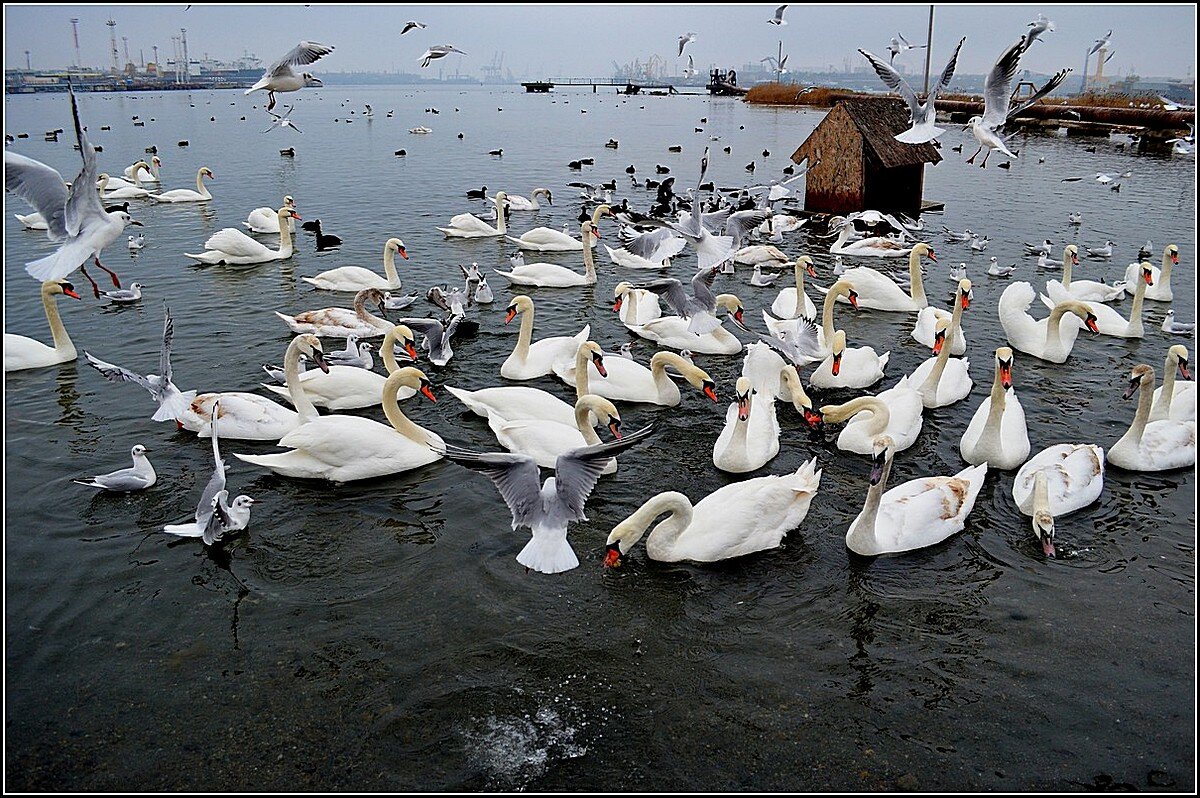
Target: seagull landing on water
[(923, 114), (690, 71), (438, 51), (281, 120), (899, 45), (412, 24), (684, 40), (778, 18), (280, 77), (1037, 28)]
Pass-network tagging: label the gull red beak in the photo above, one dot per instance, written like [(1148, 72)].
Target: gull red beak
[(403, 253), (837, 363)]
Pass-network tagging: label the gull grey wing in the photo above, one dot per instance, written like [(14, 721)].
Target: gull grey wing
[(127, 479), (644, 244), (432, 329), (41, 187), (672, 291), (997, 89), (715, 220), (83, 200), (115, 373), (740, 224), (576, 472), (702, 283), (164, 354), (1050, 86), (216, 520), (891, 78), (515, 477), (947, 73), (303, 53)]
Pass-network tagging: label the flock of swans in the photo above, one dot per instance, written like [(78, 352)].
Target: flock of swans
[(796, 354)]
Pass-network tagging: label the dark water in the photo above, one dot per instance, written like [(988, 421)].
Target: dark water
[(382, 636)]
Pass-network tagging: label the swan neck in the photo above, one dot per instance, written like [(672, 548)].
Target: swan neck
[(396, 417), (291, 372), (1067, 261), (285, 237), (1139, 296), (500, 225), (880, 415), (360, 310), (525, 336), (1164, 274), (665, 533), (864, 528), (826, 315), (916, 284), (589, 260), (1145, 400), (943, 357), (389, 265), (1041, 493), (582, 412), (799, 311), (62, 341), (667, 391), (200, 187), (582, 377)]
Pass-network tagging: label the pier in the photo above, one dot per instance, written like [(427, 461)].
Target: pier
[(623, 86)]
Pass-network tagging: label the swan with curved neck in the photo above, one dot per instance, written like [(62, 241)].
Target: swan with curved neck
[(790, 379), (115, 188), (1042, 338), (343, 448), (1152, 445), (549, 275), (872, 247), (997, 434), (264, 220), (635, 305), (793, 302), (145, 172), (186, 194), (919, 513), (1172, 400), (1084, 290), (528, 359), (877, 291), (21, 352), (356, 278), (1110, 322), (897, 412), (545, 239), (1160, 290), (342, 322), (544, 440), (628, 381), (518, 203), (740, 518), (750, 438), (941, 381), (825, 334), (468, 225), (231, 245)]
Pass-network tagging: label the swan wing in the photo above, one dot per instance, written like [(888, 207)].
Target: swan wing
[(236, 243)]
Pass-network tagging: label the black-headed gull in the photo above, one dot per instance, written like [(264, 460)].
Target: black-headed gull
[(126, 480), (411, 24), (280, 77), (281, 120), (684, 40), (922, 114), (171, 401), (996, 270), (438, 51), (1105, 251), (357, 353), (900, 44), (124, 296), (778, 18), (1173, 327), (1043, 248), (1037, 28), (1101, 42)]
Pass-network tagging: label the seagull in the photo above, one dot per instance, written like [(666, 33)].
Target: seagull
[(356, 354), (958, 272), (1104, 179), (451, 300), (1075, 218), (1101, 42), (656, 246), (74, 217), (778, 18), (548, 509), (412, 24), (1043, 248), (280, 77), (798, 344), (436, 336), (690, 71), (124, 296), (171, 402), (1105, 251), (979, 243), (964, 236), (762, 280), (399, 302), (684, 40), (483, 292), (282, 121), (922, 114), (1037, 28), (438, 51), (839, 268), (137, 243), (700, 308), (996, 270), (214, 516), (1146, 251), (127, 480), (997, 93), (1173, 327), (900, 44), (710, 249)]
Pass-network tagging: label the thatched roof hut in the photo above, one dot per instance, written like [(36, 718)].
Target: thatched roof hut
[(862, 166)]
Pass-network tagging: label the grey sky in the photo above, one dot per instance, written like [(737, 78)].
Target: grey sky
[(584, 40)]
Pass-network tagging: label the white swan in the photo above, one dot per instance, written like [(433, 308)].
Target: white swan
[(625, 380), (107, 183), (1109, 321), (118, 192), (231, 245), (1082, 290), (145, 172), (874, 247), (544, 440), (1171, 399), (549, 275), (921, 512), (741, 518), (32, 221), (1057, 481), (896, 412), (877, 291), (635, 305), (351, 387), (343, 448), (672, 331), (21, 352), (849, 368), (1161, 289), (356, 278), (750, 437), (997, 434), (186, 194), (1152, 445), (759, 254), (251, 417), (342, 322), (534, 359), (793, 302), (1047, 339), (925, 330), (518, 203), (265, 219), (467, 225), (544, 239), (940, 380)]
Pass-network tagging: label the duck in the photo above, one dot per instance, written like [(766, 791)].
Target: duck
[(545, 440), (351, 387), (849, 368), (21, 352), (342, 322), (1171, 399), (357, 278), (1152, 445), (518, 203), (940, 380), (1055, 482), (738, 519), (750, 438), (1160, 291), (873, 247), (672, 331), (544, 239), (997, 434), (231, 245), (1047, 339), (530, 360), (466, 225), (877, 291), (793, 301), (1083, 290), (918, 513), (896, 412), (325, 240), (1109, 321), (201, 193), (635, 305), (549, 275), (344, 448), (626, 380)]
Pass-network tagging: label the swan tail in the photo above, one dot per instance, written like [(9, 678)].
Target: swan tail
[(311, 281), (289, 464), (277, 389), (517, 241), (806, 479), (883, 360), (506, 275), (468, 399), (1046, 301), (548, 555)]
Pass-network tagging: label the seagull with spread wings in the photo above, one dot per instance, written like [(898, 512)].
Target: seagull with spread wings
[(700, 309), (438, 51), (900, 44), (171, 401), (685, 40), (778, 18), (280, 76), (1101, 42), (923, 114), (1037, 28), (411, 24), (710, 249)]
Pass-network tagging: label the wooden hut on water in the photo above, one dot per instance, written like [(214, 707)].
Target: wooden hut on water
[(862, 166)]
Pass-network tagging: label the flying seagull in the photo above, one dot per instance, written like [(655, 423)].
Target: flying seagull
[(1037, 28), (1101, 42), (438, 51), (412, 24), (280, 77), (282, 121), (778, 18), (899, 45), (684, 40), (171, 401), (923, 114)]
